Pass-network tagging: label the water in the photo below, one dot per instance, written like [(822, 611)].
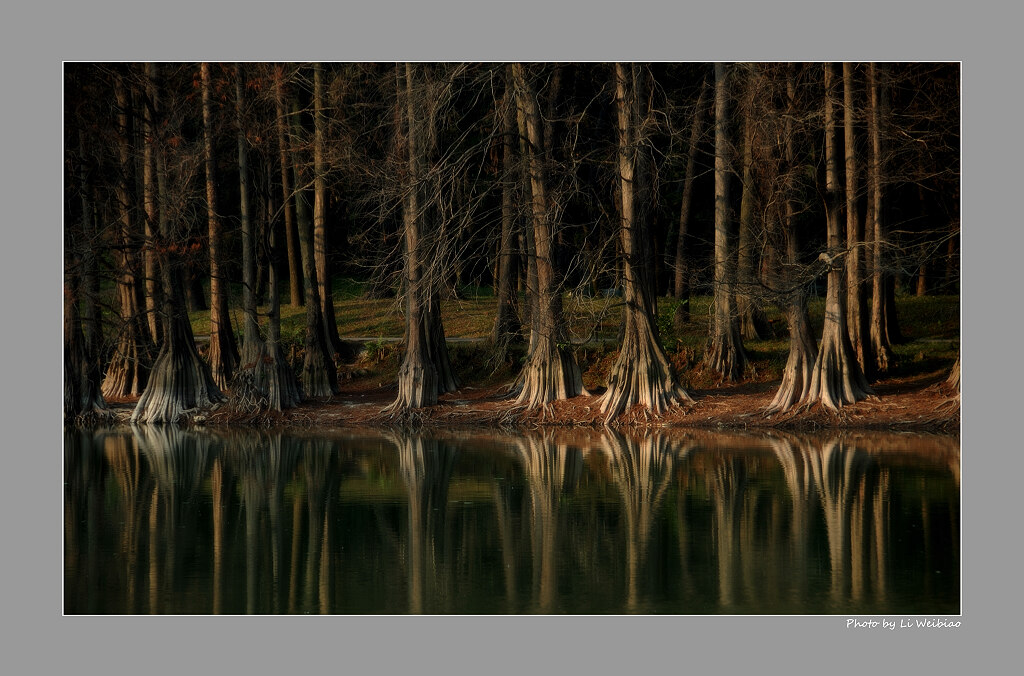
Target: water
[(160, 520)]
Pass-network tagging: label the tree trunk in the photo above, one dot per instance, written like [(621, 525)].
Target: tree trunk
[(725, 353), (642, 373), (181, 381), (856, 302), (323, 271), (426, 370), (223, 353), (153, 286), (803, 349), (294, 260), (319, 374), (129, 369), (506, 323), (836, 379), (751, 319), (682, 269), (879, 338), (551, 371)]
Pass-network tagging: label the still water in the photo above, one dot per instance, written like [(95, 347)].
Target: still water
[(168, 521)]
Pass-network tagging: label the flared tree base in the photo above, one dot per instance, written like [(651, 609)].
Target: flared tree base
[(725, 355), (180, 384), (836, 379), (550, 373), (641, 375)]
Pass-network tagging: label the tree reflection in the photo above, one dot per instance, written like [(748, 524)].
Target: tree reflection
[(425, 466), (642, 471), (552, 469)]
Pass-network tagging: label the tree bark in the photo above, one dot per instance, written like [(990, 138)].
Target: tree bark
[(837, 379), (879, 337), (223, 354), (642, 373), (426, 371), (506, 323), (129, 369), (856, 302), (181, 382), (323, 271), (725, 353), (803, 348), (682, 268), (319, 374), (551, 371), (153, 286), (751, 319), (293, 259)]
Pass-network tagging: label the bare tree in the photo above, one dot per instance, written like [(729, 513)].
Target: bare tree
[(879, 336), (837, 379), (642, 373), (725, 353), (550, 371), (682, 269), (223, 353), (856, 302)]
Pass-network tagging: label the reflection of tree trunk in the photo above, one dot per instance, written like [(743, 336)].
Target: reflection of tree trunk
[(642, 470), (500, 492)]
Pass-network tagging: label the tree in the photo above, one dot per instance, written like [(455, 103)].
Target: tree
[(803, 348), (642, 373), (129, 369), (856, 303), (506, 322), (550, 371), (181, 381), (682, 271), (426, 370), (751, 319), (223, 353), (725, 353), (293, 258), (837, 379), (879, 335)]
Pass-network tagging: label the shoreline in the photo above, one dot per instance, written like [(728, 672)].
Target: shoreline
[(916, 404)]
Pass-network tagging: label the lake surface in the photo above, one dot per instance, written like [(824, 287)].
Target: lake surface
[(167, 521)]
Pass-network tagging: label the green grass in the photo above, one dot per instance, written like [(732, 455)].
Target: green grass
[(930, 326)]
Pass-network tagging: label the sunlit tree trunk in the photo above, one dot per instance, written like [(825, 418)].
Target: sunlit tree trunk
[(223, 354), (837, 379), (153, 285), (856, 302), (751, 318), (879, 336), (725, 353), (551, 371), (642, 373)]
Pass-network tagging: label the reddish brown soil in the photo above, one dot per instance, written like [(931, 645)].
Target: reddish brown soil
[(915, 403)]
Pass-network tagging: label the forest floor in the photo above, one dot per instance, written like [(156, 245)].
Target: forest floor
[(918, 402), (911, 397)]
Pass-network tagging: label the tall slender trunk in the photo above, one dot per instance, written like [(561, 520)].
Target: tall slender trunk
[(291, 236), (223, 354), (181, 381), (426, 370), (153, 286), (879, 338), (641, 373), (551, 371), (856, 302), (252, 344), (506, 322), (319, 374), (751, 319), (837, 379), (129, 369), (803, 348), (323, 271), (682, 269), (725, 353)]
